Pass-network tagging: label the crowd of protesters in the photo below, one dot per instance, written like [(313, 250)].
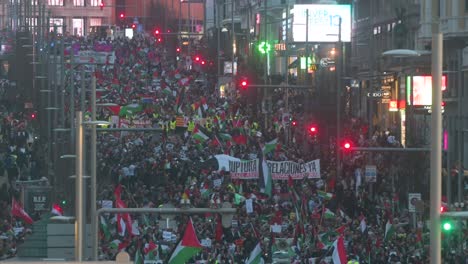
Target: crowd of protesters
[(176, 169), (297, 222), (18, 163)]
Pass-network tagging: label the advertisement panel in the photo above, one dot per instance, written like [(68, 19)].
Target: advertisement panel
[(422, 90), (323, 23)]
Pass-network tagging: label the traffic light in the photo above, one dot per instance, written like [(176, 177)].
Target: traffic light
[(447, 225), (313, 129), (156, 32), (244, 83), (178, 50), (33, 115), (294, 123), (122, 15), (101, 5), (203, 62), (347, 145), (197, 58), (443, 209), (133, 26)]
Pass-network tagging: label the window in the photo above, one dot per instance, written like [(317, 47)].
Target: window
[(95, 22), (78, 3), (95, 2), (55, 2), (466, 5), (78, 26), (56, 23)]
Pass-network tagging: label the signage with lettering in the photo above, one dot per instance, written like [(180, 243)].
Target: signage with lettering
[(37, 199), (244, 169), (282, 170)]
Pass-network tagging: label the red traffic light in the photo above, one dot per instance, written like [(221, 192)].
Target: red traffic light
[(443, 209), (197, 58), (294, 123), (33, 116), (159, 39), (203, 62), (101, 5), (156, 31), (122, 15), (133, 26), (313, 129), (178, 49), (243, 84), (347, 145)]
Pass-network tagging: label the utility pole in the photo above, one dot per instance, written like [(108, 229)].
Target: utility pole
[(436, 137)]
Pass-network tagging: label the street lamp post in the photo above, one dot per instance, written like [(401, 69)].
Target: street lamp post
[(79, 222), (339, 70), (93, 160), (436, 137)]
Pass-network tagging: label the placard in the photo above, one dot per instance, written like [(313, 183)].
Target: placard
[(249, 206), (413, 198), (371, 173)]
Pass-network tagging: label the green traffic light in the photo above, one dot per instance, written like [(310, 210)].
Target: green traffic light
[(447, 226), (64, 202)]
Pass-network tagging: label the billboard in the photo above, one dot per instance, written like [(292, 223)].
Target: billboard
[(422, 90), (323, 23)]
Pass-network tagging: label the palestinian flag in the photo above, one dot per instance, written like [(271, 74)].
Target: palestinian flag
[(325, 195), (167, 91), (18, 211), (188, 247), (328, 214), (199, 135), (339, 253), (255, 256), (239, 137), (105, 228), (326, 239), (114, 244), (238, 199), (389, 230), (138, 257), (225, 136), (151, 251), (270, 146)]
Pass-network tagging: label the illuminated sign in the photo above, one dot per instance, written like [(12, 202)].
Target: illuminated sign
[(323, 23), (422, 90)]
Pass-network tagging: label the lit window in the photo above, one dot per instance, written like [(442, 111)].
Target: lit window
[(55, 2), (93, 22), (78, 3), (95, 2), (56, 23)]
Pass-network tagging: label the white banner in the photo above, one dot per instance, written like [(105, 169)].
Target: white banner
[(281, 170), (244, 169), (223, 161)]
